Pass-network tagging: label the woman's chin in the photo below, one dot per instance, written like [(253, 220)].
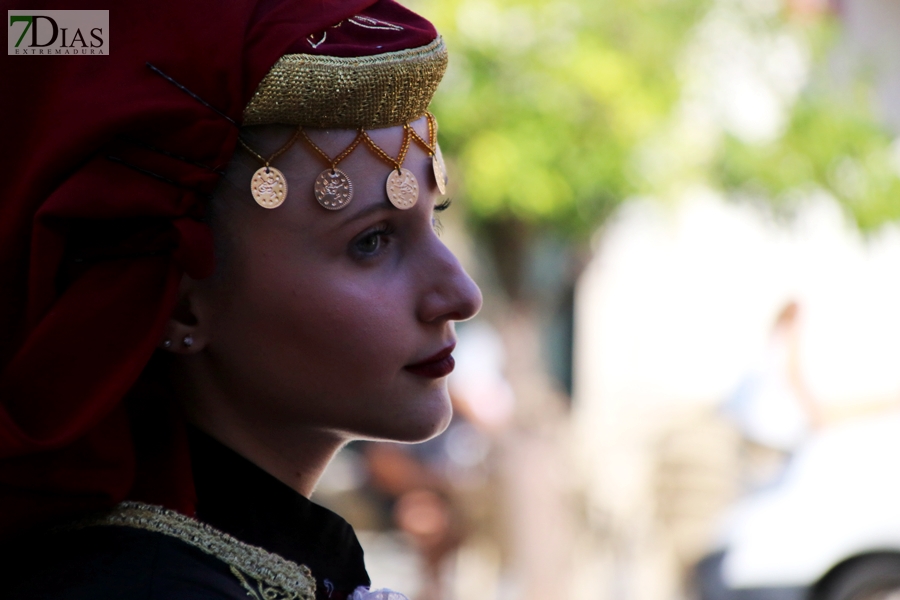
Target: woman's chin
[(427, 431), (429, 418)]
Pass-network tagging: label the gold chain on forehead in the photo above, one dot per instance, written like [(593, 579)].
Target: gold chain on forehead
[(434, 151), (333, 188)]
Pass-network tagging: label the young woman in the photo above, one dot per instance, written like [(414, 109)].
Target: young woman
[(220, 264)]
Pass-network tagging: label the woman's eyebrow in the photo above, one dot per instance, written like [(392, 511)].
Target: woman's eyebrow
[(365, 212)]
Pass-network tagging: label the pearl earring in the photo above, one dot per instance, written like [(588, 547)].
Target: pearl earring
[(188, 341)]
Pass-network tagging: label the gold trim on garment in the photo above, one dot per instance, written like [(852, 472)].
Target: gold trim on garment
[(273, 577), (365, 92)]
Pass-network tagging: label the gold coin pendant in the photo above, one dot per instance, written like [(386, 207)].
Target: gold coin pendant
[(269, 187), (440, 172), (402, 188), (333, 189)]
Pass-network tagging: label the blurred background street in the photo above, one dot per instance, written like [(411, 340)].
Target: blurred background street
[(685, 381)]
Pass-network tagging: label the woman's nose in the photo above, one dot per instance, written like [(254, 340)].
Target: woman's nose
[(451, 295)]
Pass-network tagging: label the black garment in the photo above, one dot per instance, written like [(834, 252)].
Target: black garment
[(239, 498), (119, 563), (234, 496)]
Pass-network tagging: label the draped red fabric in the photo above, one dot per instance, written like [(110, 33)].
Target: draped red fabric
[(108, 167)]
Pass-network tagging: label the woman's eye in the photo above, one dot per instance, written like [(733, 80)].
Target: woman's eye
[(439, 208), (371, 243)]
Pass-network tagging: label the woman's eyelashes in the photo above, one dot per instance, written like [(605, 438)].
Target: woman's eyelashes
[(435, 220)]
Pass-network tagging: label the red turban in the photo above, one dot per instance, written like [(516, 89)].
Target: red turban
[(109, 163)]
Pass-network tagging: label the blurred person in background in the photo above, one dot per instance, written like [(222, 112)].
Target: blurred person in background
[(220, 266), (773, 408)]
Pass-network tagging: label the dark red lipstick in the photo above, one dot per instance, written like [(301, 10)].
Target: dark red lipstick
[(435, 366)]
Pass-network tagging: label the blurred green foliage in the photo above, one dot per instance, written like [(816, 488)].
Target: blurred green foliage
[(545, 101), (833, 141)]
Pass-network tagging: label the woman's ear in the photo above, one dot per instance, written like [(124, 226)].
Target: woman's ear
[(187, 329)]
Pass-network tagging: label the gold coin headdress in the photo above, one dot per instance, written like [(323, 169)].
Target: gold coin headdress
[(361, 93)]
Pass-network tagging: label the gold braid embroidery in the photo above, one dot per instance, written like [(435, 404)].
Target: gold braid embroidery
[(276, 578), (261, 592)]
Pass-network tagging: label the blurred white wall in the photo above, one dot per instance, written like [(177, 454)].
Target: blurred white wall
[(679, 301), (674, 309)]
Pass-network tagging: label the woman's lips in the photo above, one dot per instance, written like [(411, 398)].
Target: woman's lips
[(435, 366)]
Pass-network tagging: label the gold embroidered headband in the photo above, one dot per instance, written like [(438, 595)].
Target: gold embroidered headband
[(368, 92)]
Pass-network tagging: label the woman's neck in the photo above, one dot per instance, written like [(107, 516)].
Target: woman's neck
[(297, 460)]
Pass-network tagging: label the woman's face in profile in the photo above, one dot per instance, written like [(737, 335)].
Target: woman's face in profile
[(321, 319)]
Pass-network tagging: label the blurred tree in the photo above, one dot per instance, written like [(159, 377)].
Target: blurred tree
[(833, 141), (542, 109), (545, 101)]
